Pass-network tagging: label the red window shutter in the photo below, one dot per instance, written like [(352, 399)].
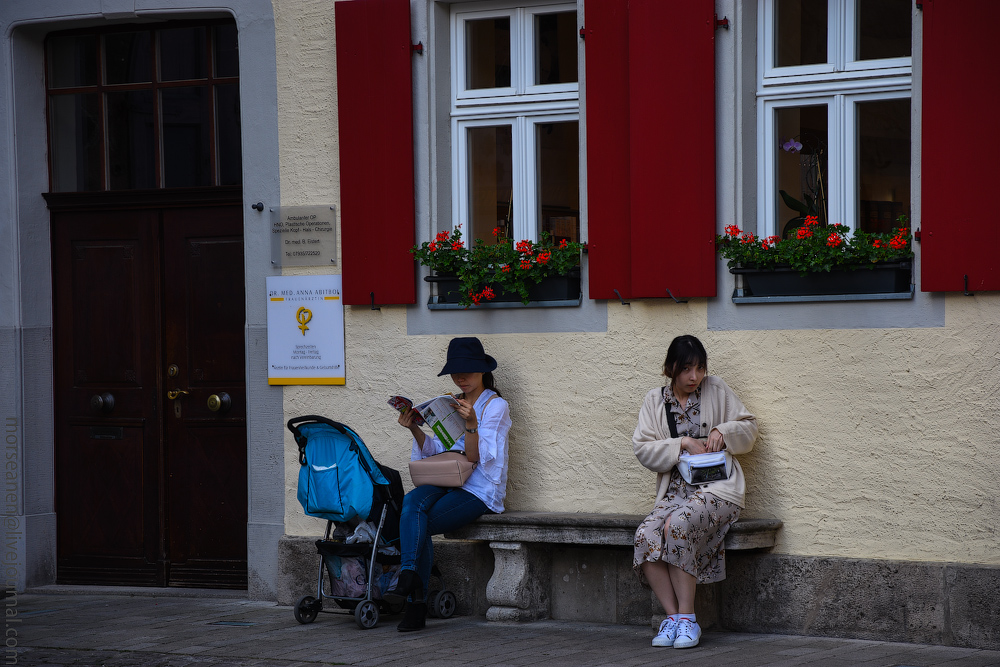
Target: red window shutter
[(376, 150), (959, 137), (651, 148), (609, 210)]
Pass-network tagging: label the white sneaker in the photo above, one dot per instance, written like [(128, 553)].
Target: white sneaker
[(688, 634), (667, 633)]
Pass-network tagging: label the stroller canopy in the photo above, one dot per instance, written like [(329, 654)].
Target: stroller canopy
[(339, 480)]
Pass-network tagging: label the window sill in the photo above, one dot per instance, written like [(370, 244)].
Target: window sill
[(822, 297)]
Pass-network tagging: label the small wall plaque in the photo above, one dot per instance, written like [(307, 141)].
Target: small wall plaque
[(304, 236)]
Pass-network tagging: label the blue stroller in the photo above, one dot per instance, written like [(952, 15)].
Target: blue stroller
[(340, 481)]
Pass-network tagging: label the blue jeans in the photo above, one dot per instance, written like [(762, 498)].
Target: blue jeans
[(432, 510)]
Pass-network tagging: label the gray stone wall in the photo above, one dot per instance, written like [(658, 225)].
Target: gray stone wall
[(927, 603)]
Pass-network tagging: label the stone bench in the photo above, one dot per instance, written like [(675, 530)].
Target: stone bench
[(519, 589)]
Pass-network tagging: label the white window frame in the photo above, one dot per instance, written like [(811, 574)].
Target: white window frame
[(523, 105), (841, 62), (839, 84), (524, 176)]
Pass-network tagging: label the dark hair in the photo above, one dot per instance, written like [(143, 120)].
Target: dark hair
[(684, 350), (490, 383)]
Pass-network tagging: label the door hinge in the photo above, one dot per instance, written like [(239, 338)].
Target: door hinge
[(418, 48), (721, 23), (583, 32), (916, 235)]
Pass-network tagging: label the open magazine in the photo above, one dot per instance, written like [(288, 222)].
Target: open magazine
[(438, 413)]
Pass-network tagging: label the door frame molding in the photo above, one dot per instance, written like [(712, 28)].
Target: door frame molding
[(26, 407)]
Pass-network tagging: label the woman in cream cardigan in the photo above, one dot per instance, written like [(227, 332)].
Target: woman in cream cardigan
[(681, 543)]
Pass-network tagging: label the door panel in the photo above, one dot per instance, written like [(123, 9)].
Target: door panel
[(206, 449), (104, 291), (150, 490)]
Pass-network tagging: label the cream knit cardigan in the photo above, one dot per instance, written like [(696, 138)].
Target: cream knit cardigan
[(721, 409)]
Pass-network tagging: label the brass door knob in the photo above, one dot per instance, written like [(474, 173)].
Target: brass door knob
[(103, 403), (220, 402)]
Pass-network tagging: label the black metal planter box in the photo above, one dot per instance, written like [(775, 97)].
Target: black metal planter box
[(551, 291), (783, 284)]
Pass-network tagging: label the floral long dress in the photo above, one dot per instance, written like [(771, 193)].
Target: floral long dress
[(688, 527)]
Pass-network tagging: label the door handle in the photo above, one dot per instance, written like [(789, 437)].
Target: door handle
[(172, 394), (220, 402), (102, 403)]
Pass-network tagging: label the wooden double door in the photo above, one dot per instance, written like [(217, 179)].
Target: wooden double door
[(150, 395)]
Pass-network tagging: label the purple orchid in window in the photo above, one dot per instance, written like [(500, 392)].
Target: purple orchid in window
[(791, 146)]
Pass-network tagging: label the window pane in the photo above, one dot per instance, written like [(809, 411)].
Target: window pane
[(131, 156), (127, 58), (75, 140), (555, 48), (800, 28), (487, 53), (72, 61), (227, 118), (227, 51), (884, 28), (559, 179), (883, 163), (182, 54), (186, 144), (801, 163), (490, 182)]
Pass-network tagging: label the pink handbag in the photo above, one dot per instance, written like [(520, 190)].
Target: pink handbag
[(448, 469)]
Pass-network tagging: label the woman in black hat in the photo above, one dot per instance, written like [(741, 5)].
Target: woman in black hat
[(432, 510)]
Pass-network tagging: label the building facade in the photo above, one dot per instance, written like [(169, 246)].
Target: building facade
[(140, 135)]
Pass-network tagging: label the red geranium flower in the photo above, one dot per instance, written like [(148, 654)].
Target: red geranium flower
[(804, 233), (732, 230), (834, 240)]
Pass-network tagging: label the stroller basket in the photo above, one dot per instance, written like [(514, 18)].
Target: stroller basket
[(341, 482)]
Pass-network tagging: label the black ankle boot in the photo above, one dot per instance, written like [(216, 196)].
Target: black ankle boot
[(408, 583), (414, 617)]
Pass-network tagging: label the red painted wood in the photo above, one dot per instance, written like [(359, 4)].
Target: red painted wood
[(609, 209), (650, 96), (672, 161), (376, 150), (959, 136)]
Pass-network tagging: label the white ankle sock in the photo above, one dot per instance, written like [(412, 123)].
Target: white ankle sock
[(689, 617)]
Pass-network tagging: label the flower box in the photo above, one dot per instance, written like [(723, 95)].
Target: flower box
[(883, 278), (447, 290)]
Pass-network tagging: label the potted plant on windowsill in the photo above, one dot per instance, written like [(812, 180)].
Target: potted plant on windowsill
[(525, 271), (819, 260)]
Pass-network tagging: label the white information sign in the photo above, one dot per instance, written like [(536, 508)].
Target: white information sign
[(305, 330)]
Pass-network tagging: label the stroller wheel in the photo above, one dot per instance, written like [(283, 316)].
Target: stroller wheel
[(307, 609), (443, 603), (432, 609), (366, 615)]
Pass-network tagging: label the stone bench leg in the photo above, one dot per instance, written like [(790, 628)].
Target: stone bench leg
[(519, 587)]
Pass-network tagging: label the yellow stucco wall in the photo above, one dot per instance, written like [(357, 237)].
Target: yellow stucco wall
[(876, 443)]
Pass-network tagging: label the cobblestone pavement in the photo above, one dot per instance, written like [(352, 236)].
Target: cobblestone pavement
[(164, 629)]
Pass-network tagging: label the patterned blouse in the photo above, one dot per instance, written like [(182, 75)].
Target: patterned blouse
[(687, 418)]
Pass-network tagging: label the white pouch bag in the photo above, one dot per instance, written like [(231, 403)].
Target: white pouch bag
[(704, 468)]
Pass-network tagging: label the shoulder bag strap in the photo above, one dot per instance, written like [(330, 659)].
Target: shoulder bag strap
[(670, 416)]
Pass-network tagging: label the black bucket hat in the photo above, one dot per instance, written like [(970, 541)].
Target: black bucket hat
[(466, 355)]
